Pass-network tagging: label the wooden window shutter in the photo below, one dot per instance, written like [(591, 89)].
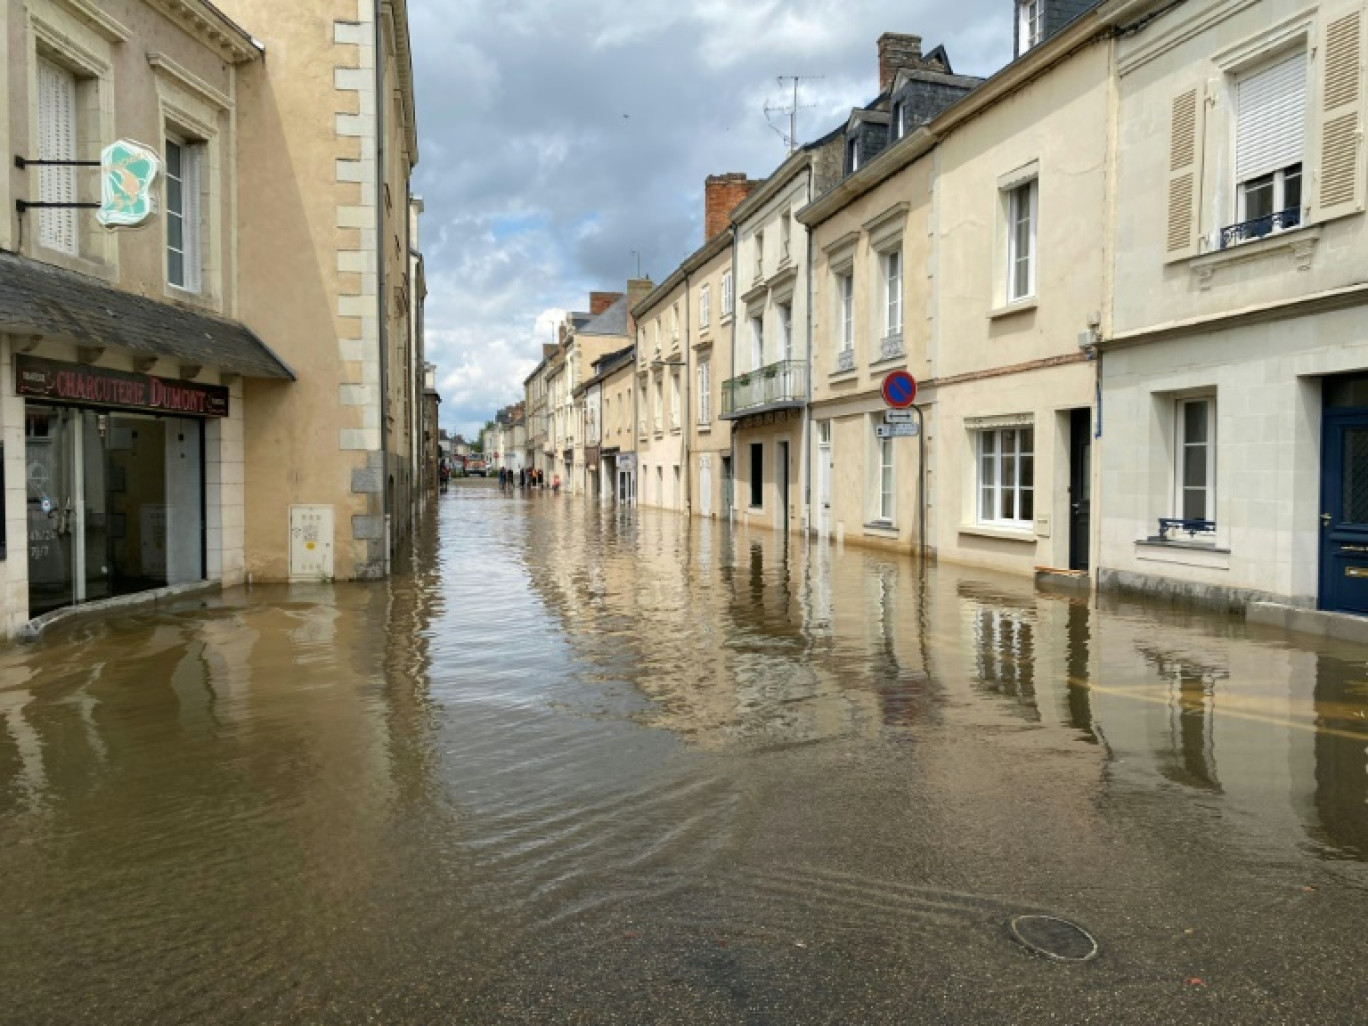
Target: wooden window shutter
[(1339, 187), (1187, 120)]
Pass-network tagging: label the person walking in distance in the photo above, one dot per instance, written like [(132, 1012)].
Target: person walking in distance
[(555, 484)]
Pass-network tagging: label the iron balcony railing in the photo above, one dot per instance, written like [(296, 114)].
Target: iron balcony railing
[(779, 383), (1260, 226)]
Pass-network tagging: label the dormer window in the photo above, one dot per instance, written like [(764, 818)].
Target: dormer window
[(896, 123), (1030, 24), (852, 154)]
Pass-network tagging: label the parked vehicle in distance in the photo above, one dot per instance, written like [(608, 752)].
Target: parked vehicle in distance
[(474, 467)]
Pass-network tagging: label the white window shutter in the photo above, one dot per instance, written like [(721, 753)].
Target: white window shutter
[(1339, 186), (57, 228), (1186, 128), (1270, 118)]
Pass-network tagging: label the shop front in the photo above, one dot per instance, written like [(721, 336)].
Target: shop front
[(114, 480)]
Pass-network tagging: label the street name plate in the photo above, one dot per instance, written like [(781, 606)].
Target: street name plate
[(897, 416), (896, 430)]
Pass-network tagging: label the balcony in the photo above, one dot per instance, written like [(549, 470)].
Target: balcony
[(1248, 231), (776, 386)]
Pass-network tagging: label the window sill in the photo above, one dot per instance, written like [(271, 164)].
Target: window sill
[(92, 267), (755, 509), (1016, 306), (1183, 553), (889, 361), (838, 377), (882, 529), (724, 320), (1300, 244), (1016, 534), (705, 429)]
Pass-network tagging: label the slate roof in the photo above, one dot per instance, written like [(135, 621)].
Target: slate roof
[(38, 299), (612, 321)]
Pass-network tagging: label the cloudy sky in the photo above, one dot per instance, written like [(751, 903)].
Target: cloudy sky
[(560, 137)]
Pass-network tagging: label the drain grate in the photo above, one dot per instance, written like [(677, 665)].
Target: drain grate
[(1054, 938)]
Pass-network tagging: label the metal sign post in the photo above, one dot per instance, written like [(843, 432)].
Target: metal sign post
[(900, 393)]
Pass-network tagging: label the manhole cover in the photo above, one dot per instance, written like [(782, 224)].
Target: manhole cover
[(1054, 938)]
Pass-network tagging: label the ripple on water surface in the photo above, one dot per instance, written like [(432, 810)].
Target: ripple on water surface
[(603, 765)]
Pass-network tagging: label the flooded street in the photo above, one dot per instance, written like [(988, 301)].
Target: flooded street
[(607, 767)]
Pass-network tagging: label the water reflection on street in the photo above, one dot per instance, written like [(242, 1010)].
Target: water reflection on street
[(584, 765)]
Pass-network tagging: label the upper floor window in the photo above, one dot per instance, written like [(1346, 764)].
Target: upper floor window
[(1030, 24), (785, 236), (786, 330), (728, 297), (897, 120), (845, 297), (893, 290), (1270, 131), (1021, 241), (852, 155), (704, 307), (184, 257), (759, 255), (757, 343), (58, 228), (704, 392)]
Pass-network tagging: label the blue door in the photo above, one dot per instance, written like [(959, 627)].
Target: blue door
[(1344, 497)]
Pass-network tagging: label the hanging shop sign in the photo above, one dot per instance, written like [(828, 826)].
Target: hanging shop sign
[(127, 171), (102, 386)]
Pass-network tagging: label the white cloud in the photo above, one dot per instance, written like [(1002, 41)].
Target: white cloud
[(561, 136)]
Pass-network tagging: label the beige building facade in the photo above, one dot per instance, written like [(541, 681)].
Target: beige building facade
[(124, 355), (168, 416), (327, 167), (1235, 373)]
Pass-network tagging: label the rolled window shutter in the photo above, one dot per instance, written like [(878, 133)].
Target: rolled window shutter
[(1339, 189), (1184, 174), (1270, 118)]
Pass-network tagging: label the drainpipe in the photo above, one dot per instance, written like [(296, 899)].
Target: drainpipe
[(382, 309), (731, 434), (806, 461), (685, 414)]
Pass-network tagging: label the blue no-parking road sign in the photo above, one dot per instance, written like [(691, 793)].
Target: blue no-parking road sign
[(899, 389)]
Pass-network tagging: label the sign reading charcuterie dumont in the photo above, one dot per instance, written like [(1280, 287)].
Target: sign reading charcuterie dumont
[(101, 386)]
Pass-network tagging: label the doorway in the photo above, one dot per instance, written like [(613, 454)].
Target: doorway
[(1344, 496), (823, 478), (1080, 487), (726, 486), (781, 481)]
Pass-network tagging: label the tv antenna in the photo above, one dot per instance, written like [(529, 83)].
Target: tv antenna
[(791, 137)]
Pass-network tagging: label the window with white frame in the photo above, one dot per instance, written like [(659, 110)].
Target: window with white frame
[(704, 392), (655, 336), (728, 297), (785, 236), (674, 400), (893, 291), (759, 255), (674, 322), (897, 120), (184, 215), (1270, 131), (1195, 459), (852, 155), (757, 333), (58, 228), (883, 480), (1006, 476), (1021, 241), (786, 330), (845, 299), (704, 306), (1030, 24), (659, 409)]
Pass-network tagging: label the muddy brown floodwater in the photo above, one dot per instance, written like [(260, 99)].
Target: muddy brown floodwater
[(592, 766)]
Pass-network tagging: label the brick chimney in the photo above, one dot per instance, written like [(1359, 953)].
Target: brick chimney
[(561, 333), (600, 301), (721, 195), (637, 290), (897, 51)]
